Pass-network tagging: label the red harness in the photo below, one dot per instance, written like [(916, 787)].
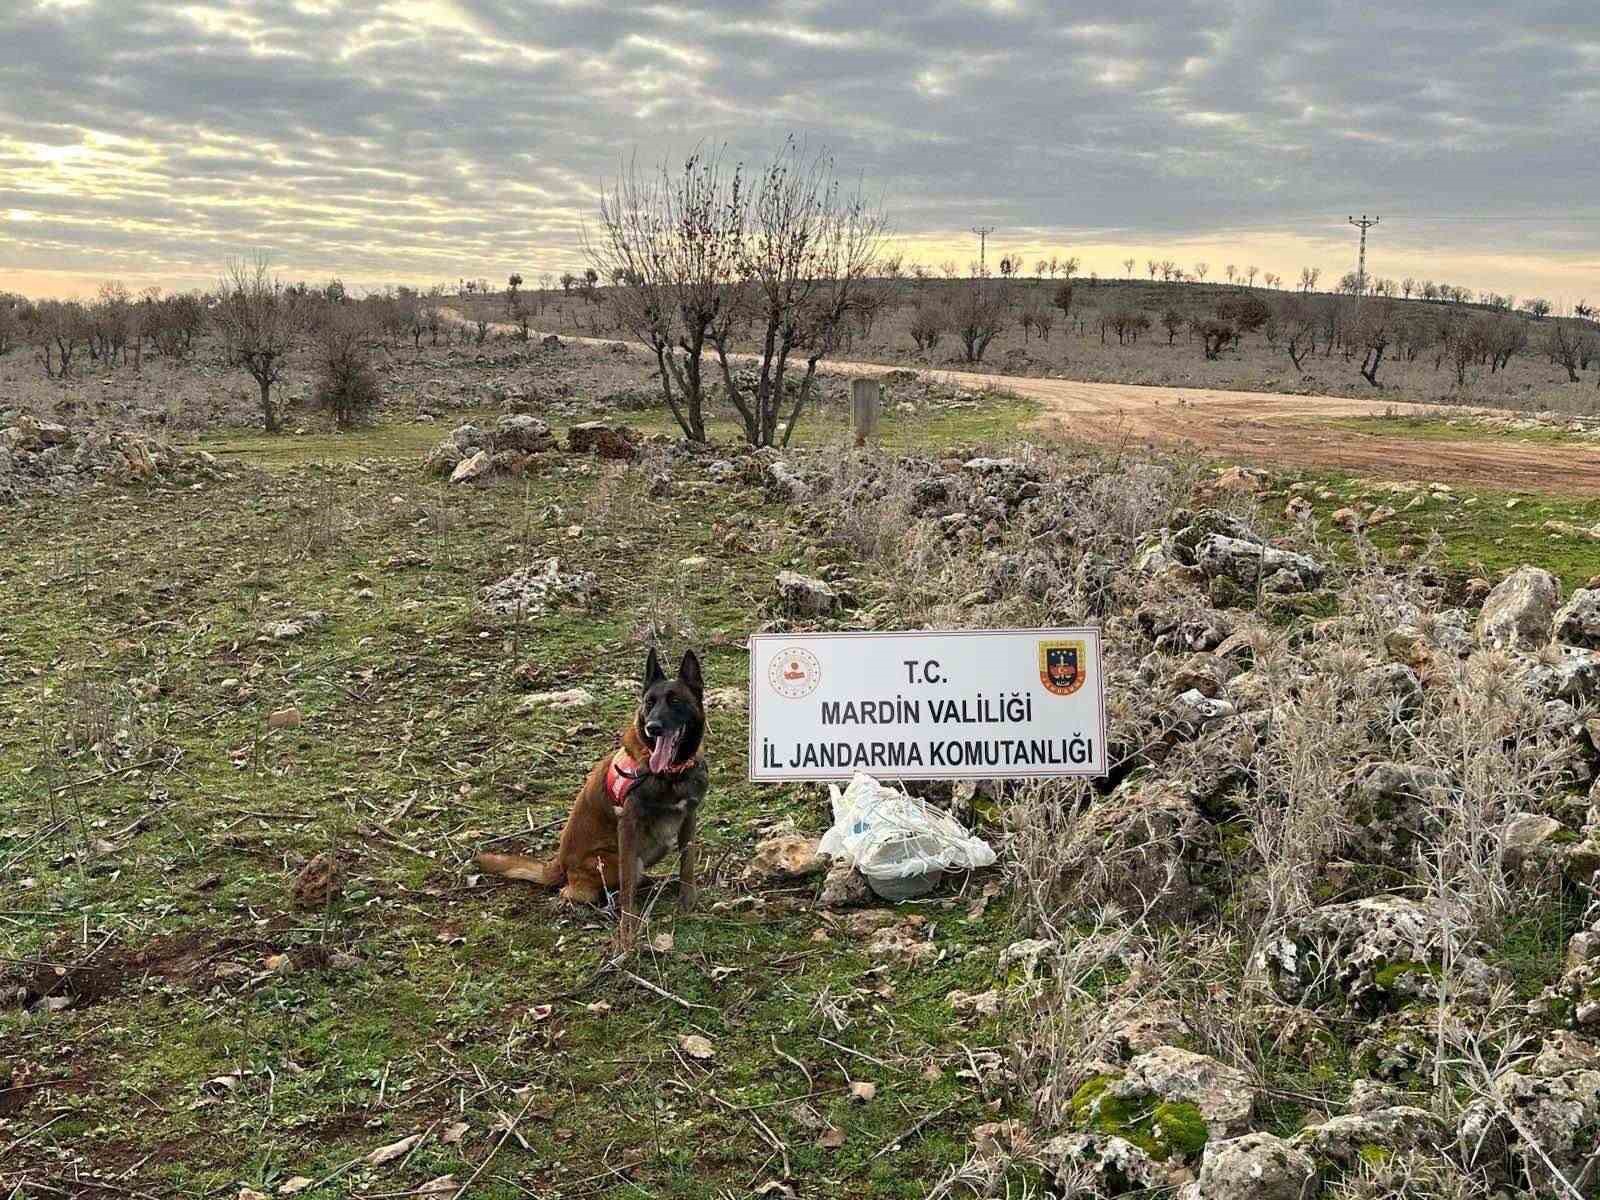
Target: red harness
[(623, 775)]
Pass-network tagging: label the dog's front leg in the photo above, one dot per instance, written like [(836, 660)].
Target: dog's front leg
[(687, 889), (628, 881)]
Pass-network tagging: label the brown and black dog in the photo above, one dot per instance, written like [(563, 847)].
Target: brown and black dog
[(636, 805)]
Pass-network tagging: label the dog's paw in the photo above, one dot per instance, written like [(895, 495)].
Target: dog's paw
[(575, 895)]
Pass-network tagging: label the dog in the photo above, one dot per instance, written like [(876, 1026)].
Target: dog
[(635, 806)]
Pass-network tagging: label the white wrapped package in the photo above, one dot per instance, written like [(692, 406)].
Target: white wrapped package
[(902, 845)]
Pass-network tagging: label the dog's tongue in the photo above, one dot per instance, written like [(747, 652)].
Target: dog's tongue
[(666, 749)]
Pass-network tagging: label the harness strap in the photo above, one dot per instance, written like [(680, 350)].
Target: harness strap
[(623, 775)]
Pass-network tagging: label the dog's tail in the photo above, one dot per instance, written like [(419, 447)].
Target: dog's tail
[(519, 866)]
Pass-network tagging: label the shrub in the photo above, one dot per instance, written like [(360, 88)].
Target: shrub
[(347, 386), (978, 317), (1216, 335), (1246, 312), (929, 323)]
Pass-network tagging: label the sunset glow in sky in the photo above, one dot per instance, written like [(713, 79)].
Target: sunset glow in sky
[(425, 141)]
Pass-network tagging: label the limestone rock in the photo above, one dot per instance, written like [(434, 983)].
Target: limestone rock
[(1148, 851), (607, 441), (523, 433), (317, 884), (1519, 614), (1558, 1114), (1246, 564), (1174, 1075), (1578, 622), (1257, 1166), (846, 887), (1379, 952), (805, 596), (787, 856), (468, 470)]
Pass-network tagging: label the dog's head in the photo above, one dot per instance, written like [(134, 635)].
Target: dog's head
[(671, 718)]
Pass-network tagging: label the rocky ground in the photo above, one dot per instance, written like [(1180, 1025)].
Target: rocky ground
[(1363, 796), (1328, 927)]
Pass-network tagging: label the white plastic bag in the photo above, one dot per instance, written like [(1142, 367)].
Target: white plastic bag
[(900, 844)]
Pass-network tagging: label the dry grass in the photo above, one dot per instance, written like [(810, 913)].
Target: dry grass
[(1285, 812)]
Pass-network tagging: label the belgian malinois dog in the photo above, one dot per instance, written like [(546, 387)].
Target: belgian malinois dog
[(636, 805)]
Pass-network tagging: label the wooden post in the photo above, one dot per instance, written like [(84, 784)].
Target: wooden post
[(865, 402)]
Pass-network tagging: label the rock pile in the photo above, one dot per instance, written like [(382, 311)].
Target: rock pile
[(40, 458), (471, 453)]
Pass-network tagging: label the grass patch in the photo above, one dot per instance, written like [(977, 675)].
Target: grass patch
[(1456, 429), (1480, 531), (158, 854)]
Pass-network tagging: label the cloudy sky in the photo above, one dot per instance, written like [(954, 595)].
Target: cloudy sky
[(427, 140)]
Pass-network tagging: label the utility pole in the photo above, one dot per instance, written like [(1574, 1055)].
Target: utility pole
[(1363, 223), (983, 232)]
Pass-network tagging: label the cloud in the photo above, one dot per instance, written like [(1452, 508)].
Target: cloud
[(422, 140)]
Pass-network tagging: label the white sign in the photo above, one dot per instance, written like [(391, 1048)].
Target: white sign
[(964, 704)]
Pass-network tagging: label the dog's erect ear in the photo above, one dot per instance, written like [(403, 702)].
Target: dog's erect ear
[(653, 674), (689, 672)]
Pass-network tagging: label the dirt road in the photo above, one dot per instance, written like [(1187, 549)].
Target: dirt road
[(1272, 429)]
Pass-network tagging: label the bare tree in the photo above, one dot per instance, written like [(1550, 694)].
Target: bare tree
[(260, 322), (11, 319), (1127, 265), (1309, 277), (1215, 335), (707, 251), (978, 316), (1152, 266), (1537, 307), (57, 329), (1296, 329), (346, 384), (1373, 331), (1069, 266), (805, 251), (1562, 343), (1062, 298), (1172, 321), (929, 322), (673, 237), (1229, 271), (1200, 270), (1250, 275)]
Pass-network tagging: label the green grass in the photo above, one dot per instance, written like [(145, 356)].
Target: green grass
[(1479, 531), (1456, 429), (997, 418), (151, 828)]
